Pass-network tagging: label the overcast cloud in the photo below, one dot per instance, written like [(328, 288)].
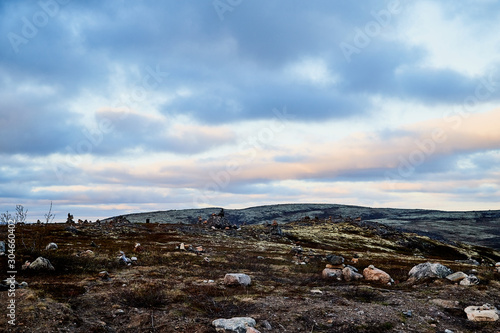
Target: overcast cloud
[(110, 107)]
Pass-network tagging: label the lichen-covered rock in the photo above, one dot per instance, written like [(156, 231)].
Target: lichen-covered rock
[(41, 264), (429, 270), (237, 279), (486, 312), (233, 325), (371, 273)]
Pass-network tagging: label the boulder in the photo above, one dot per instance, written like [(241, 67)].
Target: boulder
[(456, 277), (470, 280), (233, 325), (429, 270), (41, 264), (51, 246), (334, 259), (237, 279), (332, 273), (351, 274), (371, 273), (486, 312)]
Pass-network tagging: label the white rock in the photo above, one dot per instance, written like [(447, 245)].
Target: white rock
[(236, 324), (51, 246), (236, 279), (486, 312)]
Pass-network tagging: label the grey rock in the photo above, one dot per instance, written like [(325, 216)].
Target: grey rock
[(334, 259), (237, 279), (41, 264), (2, 247), (234, 325), (469, 281), (429, 270), (51, 246)]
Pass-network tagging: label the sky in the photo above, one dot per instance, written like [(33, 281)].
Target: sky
[(114, 107)]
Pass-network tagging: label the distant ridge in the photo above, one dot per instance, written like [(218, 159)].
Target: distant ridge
[(475, 227)]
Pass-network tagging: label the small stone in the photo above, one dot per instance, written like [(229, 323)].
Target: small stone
[(408, 313), (182, 247), (51, 246), (486, 312), (251, 330), (133, 258), (448, 331), (237, 279), (119, 312), (316, 292), (104, 275), (456, 277)]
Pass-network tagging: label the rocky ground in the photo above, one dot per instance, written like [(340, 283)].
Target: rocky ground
[(475, 227), (176, 283)]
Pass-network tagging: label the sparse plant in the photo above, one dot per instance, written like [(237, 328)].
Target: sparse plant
[(21, 214), (49, 217), (5, 217)]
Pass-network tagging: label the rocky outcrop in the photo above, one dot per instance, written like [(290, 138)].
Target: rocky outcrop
[(237, 279), (234, 325), (371, 273), (486, 312), (429, 270)]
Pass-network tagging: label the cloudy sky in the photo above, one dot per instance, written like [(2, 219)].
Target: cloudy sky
[(110, 107)]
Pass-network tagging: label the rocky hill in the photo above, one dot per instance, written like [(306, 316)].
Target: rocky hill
[(475, 227), (309, 275)]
